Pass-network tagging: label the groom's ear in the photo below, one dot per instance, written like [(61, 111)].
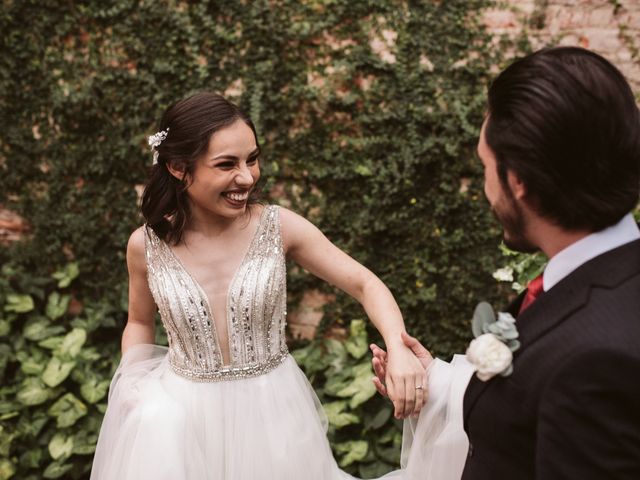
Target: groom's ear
[(517, 186)]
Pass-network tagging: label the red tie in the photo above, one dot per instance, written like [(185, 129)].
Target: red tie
[(533, 291)]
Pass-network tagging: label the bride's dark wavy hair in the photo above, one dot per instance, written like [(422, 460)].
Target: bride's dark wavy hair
[(191, 123)]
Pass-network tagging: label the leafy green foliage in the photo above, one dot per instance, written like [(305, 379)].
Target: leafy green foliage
[(368, 113), (364, 435), (55, 383)]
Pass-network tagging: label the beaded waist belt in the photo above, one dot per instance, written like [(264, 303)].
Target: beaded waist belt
[(232, 373)]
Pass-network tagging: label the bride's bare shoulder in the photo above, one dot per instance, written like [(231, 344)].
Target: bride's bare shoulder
[(135, 248)]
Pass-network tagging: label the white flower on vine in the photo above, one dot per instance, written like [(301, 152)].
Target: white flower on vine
[(504, 274)]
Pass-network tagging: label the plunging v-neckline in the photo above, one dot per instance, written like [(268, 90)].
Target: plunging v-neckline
[(205, 297)]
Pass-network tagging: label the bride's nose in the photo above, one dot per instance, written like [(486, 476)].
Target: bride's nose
[(244, 177)]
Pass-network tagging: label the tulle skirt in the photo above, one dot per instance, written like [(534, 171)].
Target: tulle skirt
[(159, 425)]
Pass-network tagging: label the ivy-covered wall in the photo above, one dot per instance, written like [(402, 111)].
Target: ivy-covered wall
[(368, 112)]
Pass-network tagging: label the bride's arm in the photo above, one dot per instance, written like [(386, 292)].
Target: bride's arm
[(140, 326), (308, 247)]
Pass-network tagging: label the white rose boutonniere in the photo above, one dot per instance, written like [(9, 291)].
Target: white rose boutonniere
[(491, 353)]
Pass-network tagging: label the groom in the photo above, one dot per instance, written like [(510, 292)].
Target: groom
[(560, 148)]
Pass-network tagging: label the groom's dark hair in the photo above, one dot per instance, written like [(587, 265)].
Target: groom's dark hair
[(565, 121)]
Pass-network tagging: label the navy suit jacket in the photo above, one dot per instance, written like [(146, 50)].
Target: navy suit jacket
[(571, 407)]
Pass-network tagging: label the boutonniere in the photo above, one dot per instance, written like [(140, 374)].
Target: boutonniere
[(491, 353)]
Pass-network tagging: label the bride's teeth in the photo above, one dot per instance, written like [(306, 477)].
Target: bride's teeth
[(238, 197)]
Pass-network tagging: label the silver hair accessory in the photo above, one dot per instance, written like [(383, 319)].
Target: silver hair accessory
[(154, 142)]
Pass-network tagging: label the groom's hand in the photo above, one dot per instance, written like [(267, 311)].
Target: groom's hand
[(379, 361)]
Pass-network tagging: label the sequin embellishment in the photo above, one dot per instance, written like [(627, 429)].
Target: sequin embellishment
[(256, 308)]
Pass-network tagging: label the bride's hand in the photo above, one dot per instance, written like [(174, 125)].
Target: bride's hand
[(379, 362), (406, 380)]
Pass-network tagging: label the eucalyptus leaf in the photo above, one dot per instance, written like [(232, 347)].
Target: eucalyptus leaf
[(483, 316), (513, 345)]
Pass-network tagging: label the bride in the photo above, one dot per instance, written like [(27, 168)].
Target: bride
[(225, 400)]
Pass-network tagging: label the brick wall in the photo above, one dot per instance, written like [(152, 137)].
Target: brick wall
[(608, 27)]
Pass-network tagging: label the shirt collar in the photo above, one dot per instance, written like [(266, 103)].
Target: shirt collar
[(580, 252)]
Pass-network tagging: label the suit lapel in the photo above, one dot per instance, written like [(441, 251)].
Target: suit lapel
[(554, 306), (572, 292)]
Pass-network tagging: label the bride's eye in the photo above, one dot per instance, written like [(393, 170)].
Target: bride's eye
[(252, 160), (225, 165)]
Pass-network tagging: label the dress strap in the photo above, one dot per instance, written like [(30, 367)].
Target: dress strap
[(152, 245)]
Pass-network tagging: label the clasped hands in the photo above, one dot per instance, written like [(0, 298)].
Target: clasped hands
[(407, 392)]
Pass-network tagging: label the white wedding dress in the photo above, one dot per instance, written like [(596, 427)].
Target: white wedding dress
[(178, 413)]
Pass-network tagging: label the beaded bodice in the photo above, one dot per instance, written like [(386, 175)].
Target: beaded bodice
[(255, 310)]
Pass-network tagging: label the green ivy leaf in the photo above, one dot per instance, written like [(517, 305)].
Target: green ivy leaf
[(5, 327), (361, 388), (337, 416), (19, 303), (73, 342), (60, 447), (379, 419), (389, 454), (7, 469), (67, 274), (32, 426), (57, 371), (39, 328), (31, 458), (376, 469), (93, 391), (5, 441), (57, 305), (56, 469), (352, 451), (51, 343), (67, 410), (363, 170), (32, 392), (31, 366), (357, 344)]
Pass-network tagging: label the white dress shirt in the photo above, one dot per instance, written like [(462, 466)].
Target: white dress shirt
[(580, 252)]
